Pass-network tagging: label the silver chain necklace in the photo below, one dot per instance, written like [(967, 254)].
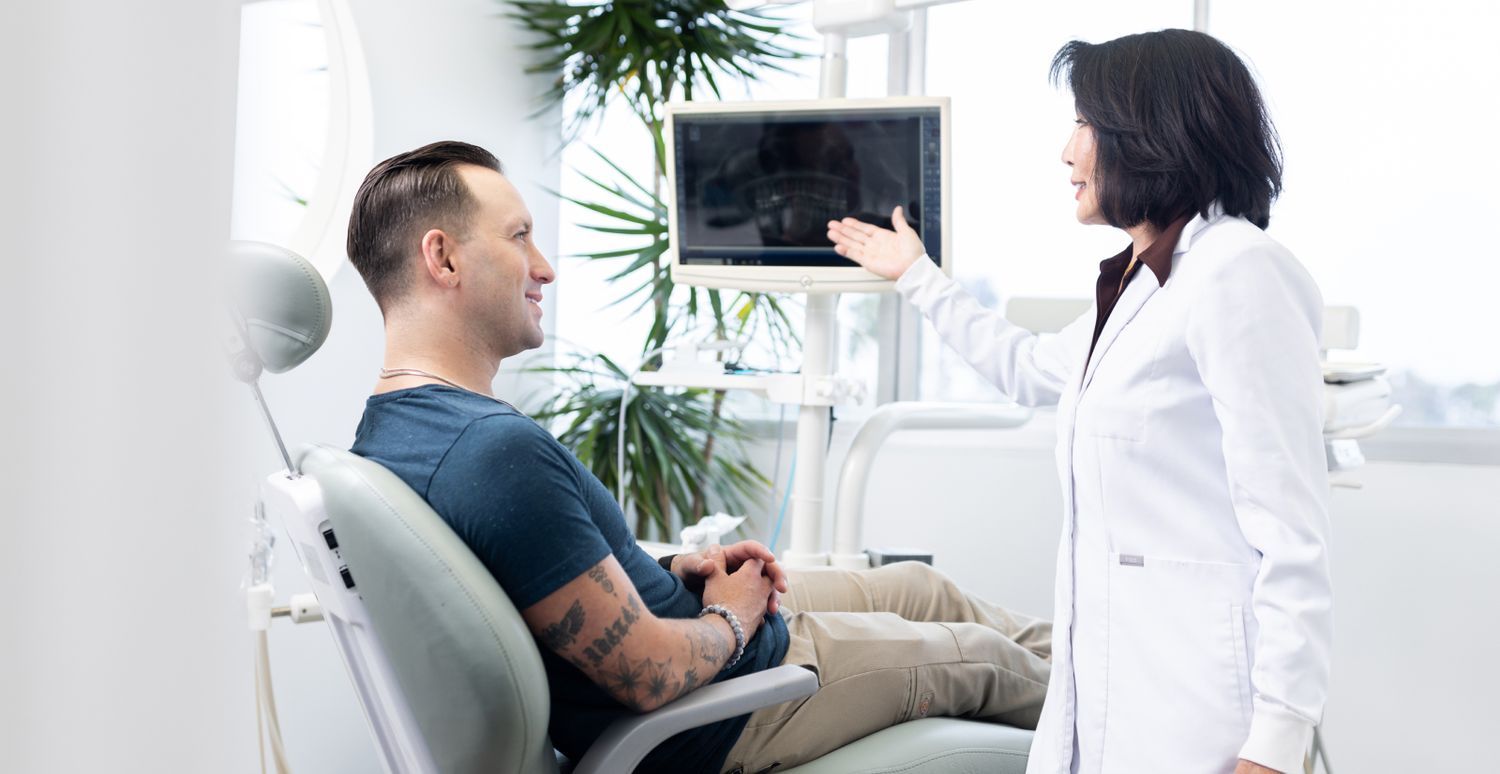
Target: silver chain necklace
[(391, 373)]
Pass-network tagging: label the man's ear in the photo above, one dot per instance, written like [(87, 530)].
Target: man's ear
[(439, 257)]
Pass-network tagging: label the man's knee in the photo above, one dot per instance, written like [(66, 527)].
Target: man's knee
[(917, 573)]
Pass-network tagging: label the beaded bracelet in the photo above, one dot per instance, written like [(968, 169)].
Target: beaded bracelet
[(734, 624)]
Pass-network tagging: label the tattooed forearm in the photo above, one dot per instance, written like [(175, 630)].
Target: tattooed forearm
[(597, 575), (635, 655), (562, 634), (606, 643)]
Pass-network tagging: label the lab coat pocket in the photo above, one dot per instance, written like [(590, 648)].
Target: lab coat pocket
[(1177, 664), (1120, 423), (1112, 414)]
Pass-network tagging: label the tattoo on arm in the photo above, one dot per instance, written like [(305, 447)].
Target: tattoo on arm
[(582, 637), (624, 679), (646, 681), (690, 677), (605, 643), (596, 574), (660, 685), (711, 649), (562, 634)]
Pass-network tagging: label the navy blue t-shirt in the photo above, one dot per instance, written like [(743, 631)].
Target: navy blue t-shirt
[(537, 518)]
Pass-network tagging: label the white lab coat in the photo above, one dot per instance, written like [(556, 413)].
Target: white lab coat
[(1192, 619)]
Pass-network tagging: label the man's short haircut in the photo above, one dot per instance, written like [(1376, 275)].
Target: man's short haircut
[(400, 200), (1178, 124)]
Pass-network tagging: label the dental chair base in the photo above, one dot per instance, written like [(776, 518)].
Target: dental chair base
[(930, 746)]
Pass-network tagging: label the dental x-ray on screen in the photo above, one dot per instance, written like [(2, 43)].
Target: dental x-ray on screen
[(757, 188)]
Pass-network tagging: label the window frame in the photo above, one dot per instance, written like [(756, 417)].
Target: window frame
[(348, 145)]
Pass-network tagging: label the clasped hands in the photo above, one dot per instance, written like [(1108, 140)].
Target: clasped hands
[(696, 568)]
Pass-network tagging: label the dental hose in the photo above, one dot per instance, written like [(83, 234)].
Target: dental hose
[(258, 598), (265, 708)]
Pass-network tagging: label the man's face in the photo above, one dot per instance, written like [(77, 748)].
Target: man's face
[(1078, 154), (504, 271)]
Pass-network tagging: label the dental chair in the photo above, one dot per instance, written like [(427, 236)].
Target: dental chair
[(443, 666)]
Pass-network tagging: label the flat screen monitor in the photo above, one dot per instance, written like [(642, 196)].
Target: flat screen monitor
[(752, 186)]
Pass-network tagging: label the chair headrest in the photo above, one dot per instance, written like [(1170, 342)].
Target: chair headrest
[(282, 301)]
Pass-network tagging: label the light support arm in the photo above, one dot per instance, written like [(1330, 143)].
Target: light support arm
[(265, 411), (247, 368)]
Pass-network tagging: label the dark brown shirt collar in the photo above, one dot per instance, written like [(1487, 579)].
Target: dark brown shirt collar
[(1157, 257), (1113, 276)]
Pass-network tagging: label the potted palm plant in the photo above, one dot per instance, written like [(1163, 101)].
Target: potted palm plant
[(682, 449)]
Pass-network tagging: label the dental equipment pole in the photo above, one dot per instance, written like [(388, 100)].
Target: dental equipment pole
[(817, 387), (820, 334), (899, 324), (819, 356), (820, 338)]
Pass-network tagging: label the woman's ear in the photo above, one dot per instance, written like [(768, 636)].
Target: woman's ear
[(438, 258)]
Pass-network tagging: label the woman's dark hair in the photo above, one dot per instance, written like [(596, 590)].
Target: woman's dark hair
[(399, 200), (1178, 125)]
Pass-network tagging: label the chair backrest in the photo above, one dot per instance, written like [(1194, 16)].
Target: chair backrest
[(423, 609)]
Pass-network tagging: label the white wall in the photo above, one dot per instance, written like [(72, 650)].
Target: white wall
[(123, 645), (441, 69)]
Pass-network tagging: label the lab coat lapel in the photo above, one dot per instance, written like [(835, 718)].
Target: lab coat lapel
[(1137, 292), (1140, 289)]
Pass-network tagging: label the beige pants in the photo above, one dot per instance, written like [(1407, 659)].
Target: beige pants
[(890, 645)]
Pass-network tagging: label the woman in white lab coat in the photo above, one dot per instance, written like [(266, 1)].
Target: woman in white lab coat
[(1193, 612)]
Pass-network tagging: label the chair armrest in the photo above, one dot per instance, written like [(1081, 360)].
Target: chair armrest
[(627, 741)]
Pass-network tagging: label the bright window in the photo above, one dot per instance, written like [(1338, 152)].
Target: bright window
[(282, 118), (1384, 112)]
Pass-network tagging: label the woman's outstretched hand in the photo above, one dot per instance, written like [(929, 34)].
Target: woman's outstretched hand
[(881, 251)]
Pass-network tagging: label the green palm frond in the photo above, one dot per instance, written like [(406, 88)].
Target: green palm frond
[(644, 50), (666, 432)]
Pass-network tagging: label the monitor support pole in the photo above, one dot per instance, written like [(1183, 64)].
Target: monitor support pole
[(818, 387), (820, 332), (820, 339)]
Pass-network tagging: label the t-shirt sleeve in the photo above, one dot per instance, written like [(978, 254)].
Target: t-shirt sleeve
[(513, 494)]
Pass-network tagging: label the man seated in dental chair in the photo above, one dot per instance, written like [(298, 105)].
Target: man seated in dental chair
[(443, 241)]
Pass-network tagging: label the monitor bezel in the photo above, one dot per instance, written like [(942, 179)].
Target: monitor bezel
[(802, 279)]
